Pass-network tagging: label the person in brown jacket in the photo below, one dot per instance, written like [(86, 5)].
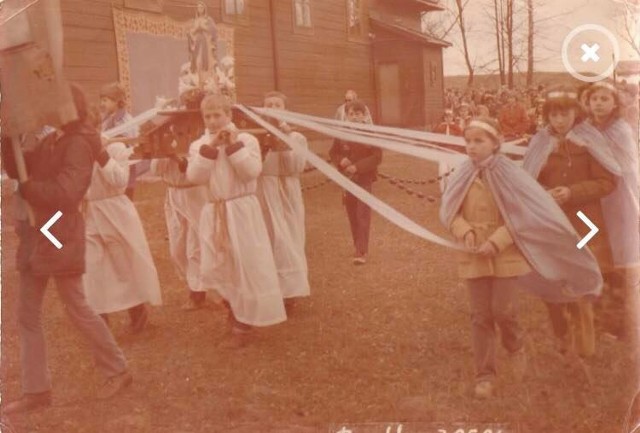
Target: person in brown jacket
[(577, 182), (360, 163), (513, 118), (490, 267), (59, 168)]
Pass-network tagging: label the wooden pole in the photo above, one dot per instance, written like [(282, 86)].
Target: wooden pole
[(22, 172), (274, 45)]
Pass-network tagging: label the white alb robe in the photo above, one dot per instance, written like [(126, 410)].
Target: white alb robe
[(120, 272), (183, 205), (236, 257), (283, 208)]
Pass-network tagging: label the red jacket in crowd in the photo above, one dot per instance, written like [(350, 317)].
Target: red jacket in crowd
[(448, 128), (514, 121)]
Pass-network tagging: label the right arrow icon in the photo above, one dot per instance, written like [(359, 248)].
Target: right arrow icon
[(589, 235)]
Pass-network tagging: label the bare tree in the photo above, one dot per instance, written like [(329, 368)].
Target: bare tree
[(514, 29), (509, 34), (465, 46), (522, 32), (499, 45), (530, 42), (629, 12), (437, 25)]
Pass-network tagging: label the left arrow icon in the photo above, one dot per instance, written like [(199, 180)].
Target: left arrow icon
[(45, 230)]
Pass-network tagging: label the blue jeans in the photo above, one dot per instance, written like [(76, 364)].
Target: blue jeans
[(493, 303), (35, 372), (359, 214)]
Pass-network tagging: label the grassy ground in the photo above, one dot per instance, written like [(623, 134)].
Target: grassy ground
[(387, 342)]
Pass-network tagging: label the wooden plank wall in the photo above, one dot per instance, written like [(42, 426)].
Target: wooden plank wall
[(90, 57), (434, 91), (253, 53), (314, 69), (408, 56), (399, 12)]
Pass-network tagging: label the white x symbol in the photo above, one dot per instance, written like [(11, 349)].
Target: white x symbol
[(590, 52)]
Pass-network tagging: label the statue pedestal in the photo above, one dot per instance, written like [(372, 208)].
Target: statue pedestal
[(169, 133)]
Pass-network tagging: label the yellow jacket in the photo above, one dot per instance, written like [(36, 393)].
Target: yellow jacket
[(480, 213)]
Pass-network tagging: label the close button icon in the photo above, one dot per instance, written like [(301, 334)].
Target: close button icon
[(590, 52), (590, 45)]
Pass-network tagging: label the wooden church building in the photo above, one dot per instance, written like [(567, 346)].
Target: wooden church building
[(312, 50)]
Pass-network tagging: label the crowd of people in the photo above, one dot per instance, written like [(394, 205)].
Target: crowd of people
[(236, 223), (519, 110)]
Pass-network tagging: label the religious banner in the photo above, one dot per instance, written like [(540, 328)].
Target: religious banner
[(34, 91), (161, 57)]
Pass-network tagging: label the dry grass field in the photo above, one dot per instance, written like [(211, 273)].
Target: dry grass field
[(386, 342)]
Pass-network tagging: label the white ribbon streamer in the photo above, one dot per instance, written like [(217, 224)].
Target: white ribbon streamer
[(386, 143), (407, 146), (423, 137), (373, 202), (400, 139), (131, 124)]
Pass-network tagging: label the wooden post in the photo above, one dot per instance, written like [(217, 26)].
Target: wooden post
[(274, 45), (22, 172)]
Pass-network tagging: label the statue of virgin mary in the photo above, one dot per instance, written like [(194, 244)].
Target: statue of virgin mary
[(202, 38)]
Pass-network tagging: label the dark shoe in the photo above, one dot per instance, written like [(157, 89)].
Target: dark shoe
[(191, 305), (198, 297), (105, 317), (289, 305), (239, 336), (231, 319), (28, 402), (196, 301), (114, 385), (139, 318)]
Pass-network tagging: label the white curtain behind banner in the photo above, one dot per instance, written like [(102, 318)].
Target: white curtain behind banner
[(155, 70)]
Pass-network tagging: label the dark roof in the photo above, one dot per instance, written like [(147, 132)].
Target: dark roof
[(433, 5), (425, 5), (407, 33)]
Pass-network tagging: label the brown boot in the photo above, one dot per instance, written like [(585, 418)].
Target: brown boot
[(195, 302), (289, 305), (238, 337), (105, 317), (139, 318)]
